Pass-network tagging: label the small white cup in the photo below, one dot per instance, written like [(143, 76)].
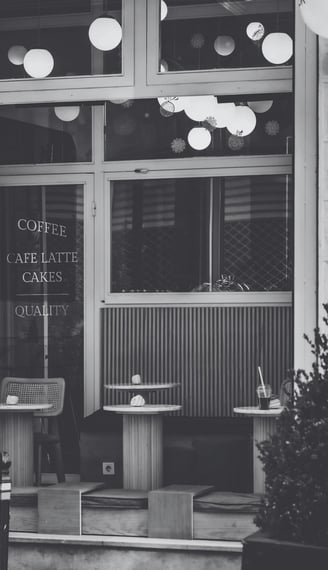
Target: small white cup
[(136, 379)]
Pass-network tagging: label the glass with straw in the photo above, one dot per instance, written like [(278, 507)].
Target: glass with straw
[(263, 393)]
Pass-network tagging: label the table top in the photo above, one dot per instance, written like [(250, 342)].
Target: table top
[(147, 409), (142, 387), (24, 407), (256, 412)]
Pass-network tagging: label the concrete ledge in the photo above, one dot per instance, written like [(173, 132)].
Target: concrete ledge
[(128, 542)]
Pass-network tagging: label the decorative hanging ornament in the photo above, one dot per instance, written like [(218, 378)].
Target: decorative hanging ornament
[(163, 66), (198, 108), (178, 103), (16, 54), (163, 10), (220, 115), (224, 45), (38, 63), (255, 31), (199, 138), (178, 145), (67, 113), (197, 40), (243, 122), (105, 33), (260, 106), (315, 15), (277, 48)]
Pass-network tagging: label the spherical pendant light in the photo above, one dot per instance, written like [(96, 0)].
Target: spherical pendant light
[(220, 115), (260, 106), (198, 108), (255, 31), (16, 54), (105, 33), (315, 15), (199, 138), (243, 122), (178, 103), (277, 48), (224, 45), (67, 113), (38, 63), (164, 10)]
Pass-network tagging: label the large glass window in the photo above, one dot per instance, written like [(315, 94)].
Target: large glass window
[(61, 28), (47, 134), (223, 35), (41, 292), (202, 234), (178, 127)]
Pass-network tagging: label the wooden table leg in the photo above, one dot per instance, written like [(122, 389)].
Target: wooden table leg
[(262, 429), (16, 437), (142, 452)]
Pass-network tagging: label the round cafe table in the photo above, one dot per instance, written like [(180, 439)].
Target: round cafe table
[(142, 444), (264, 425), (16, 437)]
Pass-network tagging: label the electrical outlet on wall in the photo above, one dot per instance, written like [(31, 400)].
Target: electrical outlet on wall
[(108, 468)]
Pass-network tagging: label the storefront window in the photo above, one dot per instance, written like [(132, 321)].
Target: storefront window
[(41, 291), (197, 235), (45, 134), (222, 35), (164, 127), (61, 28)]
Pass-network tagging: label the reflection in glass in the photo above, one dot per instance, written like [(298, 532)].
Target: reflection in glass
[(218, 234), (220, 34), (151, 128), (41, 292), (35, 135)]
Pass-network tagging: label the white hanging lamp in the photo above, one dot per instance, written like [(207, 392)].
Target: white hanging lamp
[(315, 15), (16, 54), (198, 108), (277, 48), (38, 63), (199, 138), (105, 33), (67, 113), (260, 106), (178, 103), (224, 45), (255, 31), (220, 115), (243, 122), (164, 10)]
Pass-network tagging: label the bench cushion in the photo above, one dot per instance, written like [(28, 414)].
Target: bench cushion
[(221, 502)]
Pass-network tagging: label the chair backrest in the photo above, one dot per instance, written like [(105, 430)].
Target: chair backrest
[(36, 391)]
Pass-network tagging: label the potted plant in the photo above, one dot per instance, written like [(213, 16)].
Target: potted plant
[(293, 515)]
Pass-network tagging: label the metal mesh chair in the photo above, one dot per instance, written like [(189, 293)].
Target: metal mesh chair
[(41, 391)]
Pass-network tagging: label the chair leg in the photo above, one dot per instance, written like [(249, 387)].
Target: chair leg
[(58, 461)]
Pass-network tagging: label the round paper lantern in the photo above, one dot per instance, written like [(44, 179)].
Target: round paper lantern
[(163, 10), (260, 106), (38, 63), (118, 101), (255, 31), (68, 113), (243, 122), (178, 103), (105, 33), (16, 54), (199, 138), (164, 66), (315, 16), (224, 45), (220, 115), (198, 108), (277, 48)]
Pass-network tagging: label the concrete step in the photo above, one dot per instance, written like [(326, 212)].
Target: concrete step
[(31, 551)]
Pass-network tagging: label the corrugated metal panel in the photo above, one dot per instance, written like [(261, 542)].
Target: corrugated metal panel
[(213, 352)]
